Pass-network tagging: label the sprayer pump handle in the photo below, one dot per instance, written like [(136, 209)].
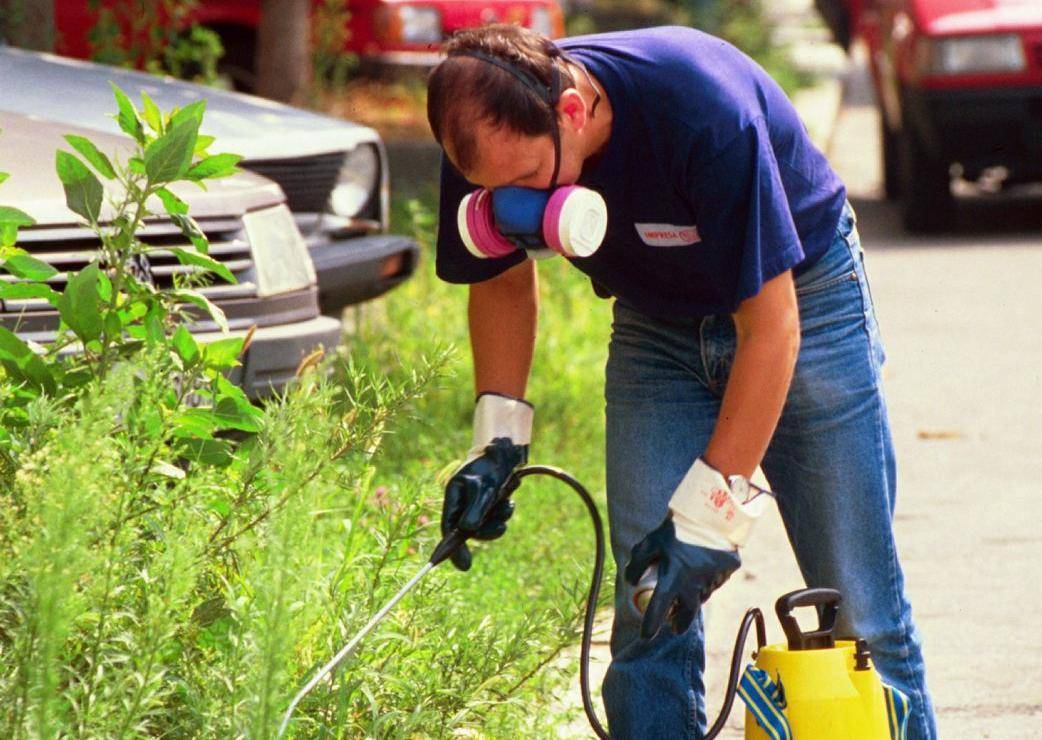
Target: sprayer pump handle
[(827, 600)]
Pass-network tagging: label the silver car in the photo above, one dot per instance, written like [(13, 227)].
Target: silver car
[(251, 232), (334, 173)]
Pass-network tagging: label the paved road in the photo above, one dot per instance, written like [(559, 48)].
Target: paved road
[(961, 316)]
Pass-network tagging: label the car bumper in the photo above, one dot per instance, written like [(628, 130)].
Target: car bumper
[(354, 270), (275, 352), (980, 128)]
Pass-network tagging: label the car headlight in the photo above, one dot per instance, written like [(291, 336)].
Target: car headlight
[(280, 256), (358, 180), (541, 21), (975, 55)]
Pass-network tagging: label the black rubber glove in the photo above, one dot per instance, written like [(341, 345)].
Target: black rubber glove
[(687, 575), (476, 501)]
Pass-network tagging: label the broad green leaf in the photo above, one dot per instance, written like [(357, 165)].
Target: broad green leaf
[(219, 165), (92, 154), (105, 285), (201, 144), (4, 175), (173, 205), (151, 113), (22, 363), (215, 452), (83, 192), (136, 165), (185, 257), (76, 378), (8, 234), (10, 220), (198, 423), (191, 229), (185, 345), (154, 324), (28, 268), (80, 304), (231, 413), (127, 118), (28, 291), (199, 300), (169, 156), (113, 326), (15, 216), (224, 353), (192, 112), (13, 347)]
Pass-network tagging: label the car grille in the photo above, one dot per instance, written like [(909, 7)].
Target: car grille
[(306, 181), (69, 250)]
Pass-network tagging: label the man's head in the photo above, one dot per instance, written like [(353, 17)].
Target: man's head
[(496, 129)]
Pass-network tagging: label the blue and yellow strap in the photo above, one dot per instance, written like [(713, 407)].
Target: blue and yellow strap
[(897, 710), (766, 702)]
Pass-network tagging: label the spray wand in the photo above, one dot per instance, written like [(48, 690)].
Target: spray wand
[(451, 542), (448, 545)]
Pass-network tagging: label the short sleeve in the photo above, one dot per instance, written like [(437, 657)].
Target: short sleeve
[(454, 264), (742, 209)]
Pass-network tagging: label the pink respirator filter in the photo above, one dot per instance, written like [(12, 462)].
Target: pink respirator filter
[(574, 223)]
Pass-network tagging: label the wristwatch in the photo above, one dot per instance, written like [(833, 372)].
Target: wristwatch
[(744, 489)]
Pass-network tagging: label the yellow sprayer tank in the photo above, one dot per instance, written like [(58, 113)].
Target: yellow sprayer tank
[(830, 688)]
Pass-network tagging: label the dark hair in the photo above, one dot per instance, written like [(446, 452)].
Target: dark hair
[(463, 90)]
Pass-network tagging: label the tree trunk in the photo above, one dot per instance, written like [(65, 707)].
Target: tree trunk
[(28, 24), (284, 49)]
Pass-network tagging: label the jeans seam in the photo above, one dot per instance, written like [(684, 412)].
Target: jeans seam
[(692, 697), (917, 695)]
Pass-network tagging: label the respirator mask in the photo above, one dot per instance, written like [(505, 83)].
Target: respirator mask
[(570, 220)]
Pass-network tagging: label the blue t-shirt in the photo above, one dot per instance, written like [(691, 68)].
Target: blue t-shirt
[(712, 184)]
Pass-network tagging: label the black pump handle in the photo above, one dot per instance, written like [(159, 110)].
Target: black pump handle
[(827, 599)]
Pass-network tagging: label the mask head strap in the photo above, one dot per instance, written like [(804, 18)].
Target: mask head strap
[(549, 95)]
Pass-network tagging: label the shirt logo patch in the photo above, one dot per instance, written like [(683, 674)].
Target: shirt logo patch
[(667, 235)]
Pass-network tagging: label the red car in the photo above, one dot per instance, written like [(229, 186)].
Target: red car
[(958, 82), (380, 32)]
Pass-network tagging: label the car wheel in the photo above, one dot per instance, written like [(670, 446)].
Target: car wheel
[(927, 201), (891, 161)]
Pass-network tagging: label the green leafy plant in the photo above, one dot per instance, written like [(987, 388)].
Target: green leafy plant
[(154, 35), (108, 310), (331, 64)]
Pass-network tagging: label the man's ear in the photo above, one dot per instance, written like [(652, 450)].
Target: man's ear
[(571, 109)]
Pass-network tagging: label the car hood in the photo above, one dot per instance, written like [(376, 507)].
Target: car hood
[(978, 16), (76, 92), (27, 152)]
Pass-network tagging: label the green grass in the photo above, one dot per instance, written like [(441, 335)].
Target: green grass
[(143, 595)]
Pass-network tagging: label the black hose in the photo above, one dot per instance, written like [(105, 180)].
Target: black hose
[(752, 615), (595, 586), (736, 666)]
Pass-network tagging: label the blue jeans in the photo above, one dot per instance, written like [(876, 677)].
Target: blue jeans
[(830, 463)]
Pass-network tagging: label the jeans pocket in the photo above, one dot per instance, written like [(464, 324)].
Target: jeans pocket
[(833, 267)]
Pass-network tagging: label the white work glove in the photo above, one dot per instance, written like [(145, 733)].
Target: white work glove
[(709, 511), (695, 549)]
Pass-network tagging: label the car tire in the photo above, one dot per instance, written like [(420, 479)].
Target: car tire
[(927, 202), (890, 146)]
